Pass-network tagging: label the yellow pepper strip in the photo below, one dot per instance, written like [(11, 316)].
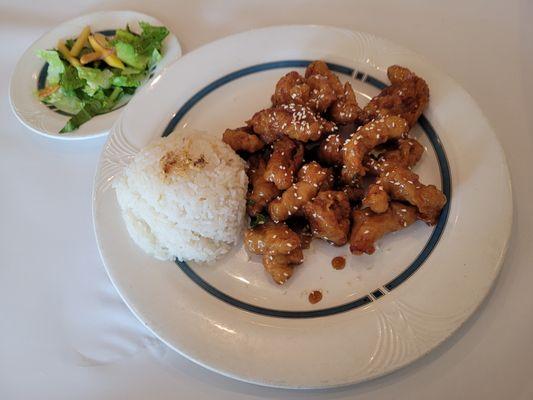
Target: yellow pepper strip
[(47, 91), (96, 55), (101, 46), (66, 53), (102, 40), (81, 41)]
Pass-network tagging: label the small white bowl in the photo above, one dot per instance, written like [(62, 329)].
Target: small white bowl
[(23, 86)]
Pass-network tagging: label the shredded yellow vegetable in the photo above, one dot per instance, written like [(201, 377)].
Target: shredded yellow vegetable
[(81, 41), (66, 53), (99, 43)]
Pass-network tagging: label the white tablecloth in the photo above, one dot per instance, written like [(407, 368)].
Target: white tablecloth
[(65, 333)]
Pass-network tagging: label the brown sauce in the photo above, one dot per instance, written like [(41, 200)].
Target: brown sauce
[(338, 262), (315, 296)]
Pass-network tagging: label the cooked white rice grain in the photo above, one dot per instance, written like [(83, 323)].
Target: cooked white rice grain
[(184, 196)]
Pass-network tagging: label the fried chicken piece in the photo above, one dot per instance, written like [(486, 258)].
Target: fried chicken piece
[(398, 74), (330, 150), (287, 156), (280, 247), (314, 92), (322, 94), (345, 109), (354, 192), (318, 90), (261, 191), (407, 153), (291, 88), (293, 120), (325, 86), (241, 139), (320, 68), (365, 139), (376, 198), (329, 216), (311, 179), (399, 183), (271, 238), (407, 96), (281, 266), (368, 227)]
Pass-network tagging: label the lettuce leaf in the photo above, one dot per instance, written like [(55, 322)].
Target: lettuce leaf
[(125, 36), (128, 80), (80, 118), (105, 101), (140, 51), (99, 103), (127, 53), (55, 65), (127, 71), (95, 79), (154, 59), (65, 100), (70, 79), (152, 37)]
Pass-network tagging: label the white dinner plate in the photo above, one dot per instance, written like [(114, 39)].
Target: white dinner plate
[(30, 74), (379, 313)]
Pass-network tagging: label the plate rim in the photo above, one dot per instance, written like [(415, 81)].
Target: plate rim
[(479, 301)]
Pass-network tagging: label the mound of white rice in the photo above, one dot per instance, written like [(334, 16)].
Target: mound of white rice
[(184, 196)]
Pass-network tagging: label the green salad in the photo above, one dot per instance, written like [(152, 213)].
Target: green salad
[(89, 75)]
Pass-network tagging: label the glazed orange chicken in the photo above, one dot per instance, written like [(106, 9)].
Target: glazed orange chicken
[(286, 158), (368, 226), (330, 150), (241, 139), (407, 97), (406, 153), (321, 165), (260, 191), (402, 184), (365, 139), (329, 216), (311, 179), (345, 109), (293, 120), (280, 247)]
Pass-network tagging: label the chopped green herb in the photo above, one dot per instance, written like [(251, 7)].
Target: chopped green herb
[(258, 219)]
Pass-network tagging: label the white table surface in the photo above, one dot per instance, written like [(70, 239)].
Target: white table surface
[(65, 333)]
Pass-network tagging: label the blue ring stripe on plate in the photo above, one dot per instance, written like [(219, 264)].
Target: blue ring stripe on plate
[(409, 271), (268, 311)]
